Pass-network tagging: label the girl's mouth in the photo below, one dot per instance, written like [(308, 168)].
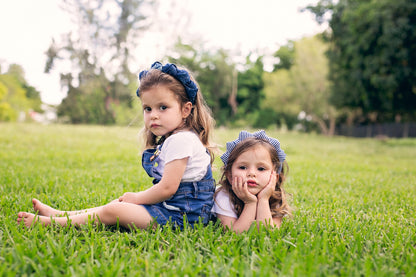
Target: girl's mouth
[(251, 183)]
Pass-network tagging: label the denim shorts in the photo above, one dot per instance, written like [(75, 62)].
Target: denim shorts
[(192, 201)]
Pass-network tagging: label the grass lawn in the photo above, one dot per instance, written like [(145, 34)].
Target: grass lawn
[(354, 201)]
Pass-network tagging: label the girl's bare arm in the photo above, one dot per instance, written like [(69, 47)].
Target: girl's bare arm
[(244, 222), (167, 186), (248, 215), (264, 215)]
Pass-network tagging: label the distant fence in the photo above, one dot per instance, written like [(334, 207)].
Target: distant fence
[(392, 130)]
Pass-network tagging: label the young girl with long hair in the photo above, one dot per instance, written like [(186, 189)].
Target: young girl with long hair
[(252, 183), (177, 131)]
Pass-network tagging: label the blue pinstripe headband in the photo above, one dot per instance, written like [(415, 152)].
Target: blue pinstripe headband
[(261, 135)]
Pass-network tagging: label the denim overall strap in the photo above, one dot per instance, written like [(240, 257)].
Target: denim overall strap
[(208, 175), (150, 161)]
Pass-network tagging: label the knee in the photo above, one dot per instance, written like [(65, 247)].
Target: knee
[(108, 214)]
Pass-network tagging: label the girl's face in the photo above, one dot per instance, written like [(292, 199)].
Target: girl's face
[(162, 110), (255, 167)]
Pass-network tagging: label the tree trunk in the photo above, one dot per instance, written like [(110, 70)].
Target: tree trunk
[(232, 99), (325, 130), (331, 131), (322, 125)]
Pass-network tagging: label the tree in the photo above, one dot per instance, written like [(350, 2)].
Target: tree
[(100, 53), (303, 87), (372, 55), (6, 111), (285, 55), (250, 92), (231, 94), (214, 73), (16, 95)]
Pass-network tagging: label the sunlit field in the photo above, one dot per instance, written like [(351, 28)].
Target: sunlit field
[(353, 199)]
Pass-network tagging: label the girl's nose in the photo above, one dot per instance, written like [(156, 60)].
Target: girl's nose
[(251, 173), (154, 115)]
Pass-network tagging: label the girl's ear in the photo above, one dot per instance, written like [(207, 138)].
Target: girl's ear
[(229, 178), (277, 182), (186, 109)]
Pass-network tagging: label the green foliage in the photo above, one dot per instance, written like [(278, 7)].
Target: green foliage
[(232, 95), (16, 95), (100, 53), (269, 118), (250, 91), (34, 98), (92, 107), (353, 199), (302, 87), (7, 113), (214, 74), (372, 56), (126, 115), (265, 118), (285, 55)]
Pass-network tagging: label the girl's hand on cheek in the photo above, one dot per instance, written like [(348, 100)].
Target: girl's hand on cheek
[(240, 189), (268, 190)]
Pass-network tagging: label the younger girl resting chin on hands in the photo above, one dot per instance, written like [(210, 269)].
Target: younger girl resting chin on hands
[(252, 183)]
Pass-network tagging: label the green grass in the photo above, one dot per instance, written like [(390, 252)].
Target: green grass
[(354, 201)]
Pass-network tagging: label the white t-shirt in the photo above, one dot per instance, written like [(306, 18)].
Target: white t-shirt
[(222, 205), (186, 144)]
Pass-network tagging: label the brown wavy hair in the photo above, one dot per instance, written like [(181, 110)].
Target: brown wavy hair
[(277, 202), (200, 119)]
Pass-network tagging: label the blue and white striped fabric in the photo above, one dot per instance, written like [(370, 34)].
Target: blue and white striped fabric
[(260, 134), (179, 74)]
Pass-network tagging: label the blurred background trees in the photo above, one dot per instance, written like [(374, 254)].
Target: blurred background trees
[(372, 57), (99, 55), (297, 91), (360, 70), (17, 97)]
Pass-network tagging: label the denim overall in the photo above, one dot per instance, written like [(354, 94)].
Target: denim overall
[(192, 199)]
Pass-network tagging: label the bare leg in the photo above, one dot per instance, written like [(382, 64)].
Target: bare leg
[(126, 214), (30, 219), (48, 211), (43, 209)]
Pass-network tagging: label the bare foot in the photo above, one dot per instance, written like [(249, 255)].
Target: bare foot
[(44, 209), (30, 219)]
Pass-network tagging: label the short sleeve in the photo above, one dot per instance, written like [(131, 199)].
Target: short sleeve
[(187, 144), (180, 145), (222, 205)]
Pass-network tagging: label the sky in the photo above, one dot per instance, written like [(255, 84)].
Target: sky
[(26, 32)]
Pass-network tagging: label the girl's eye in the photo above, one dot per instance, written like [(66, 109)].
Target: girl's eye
[(242, 167), (147, 109), (162, 108), (261, 169)]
